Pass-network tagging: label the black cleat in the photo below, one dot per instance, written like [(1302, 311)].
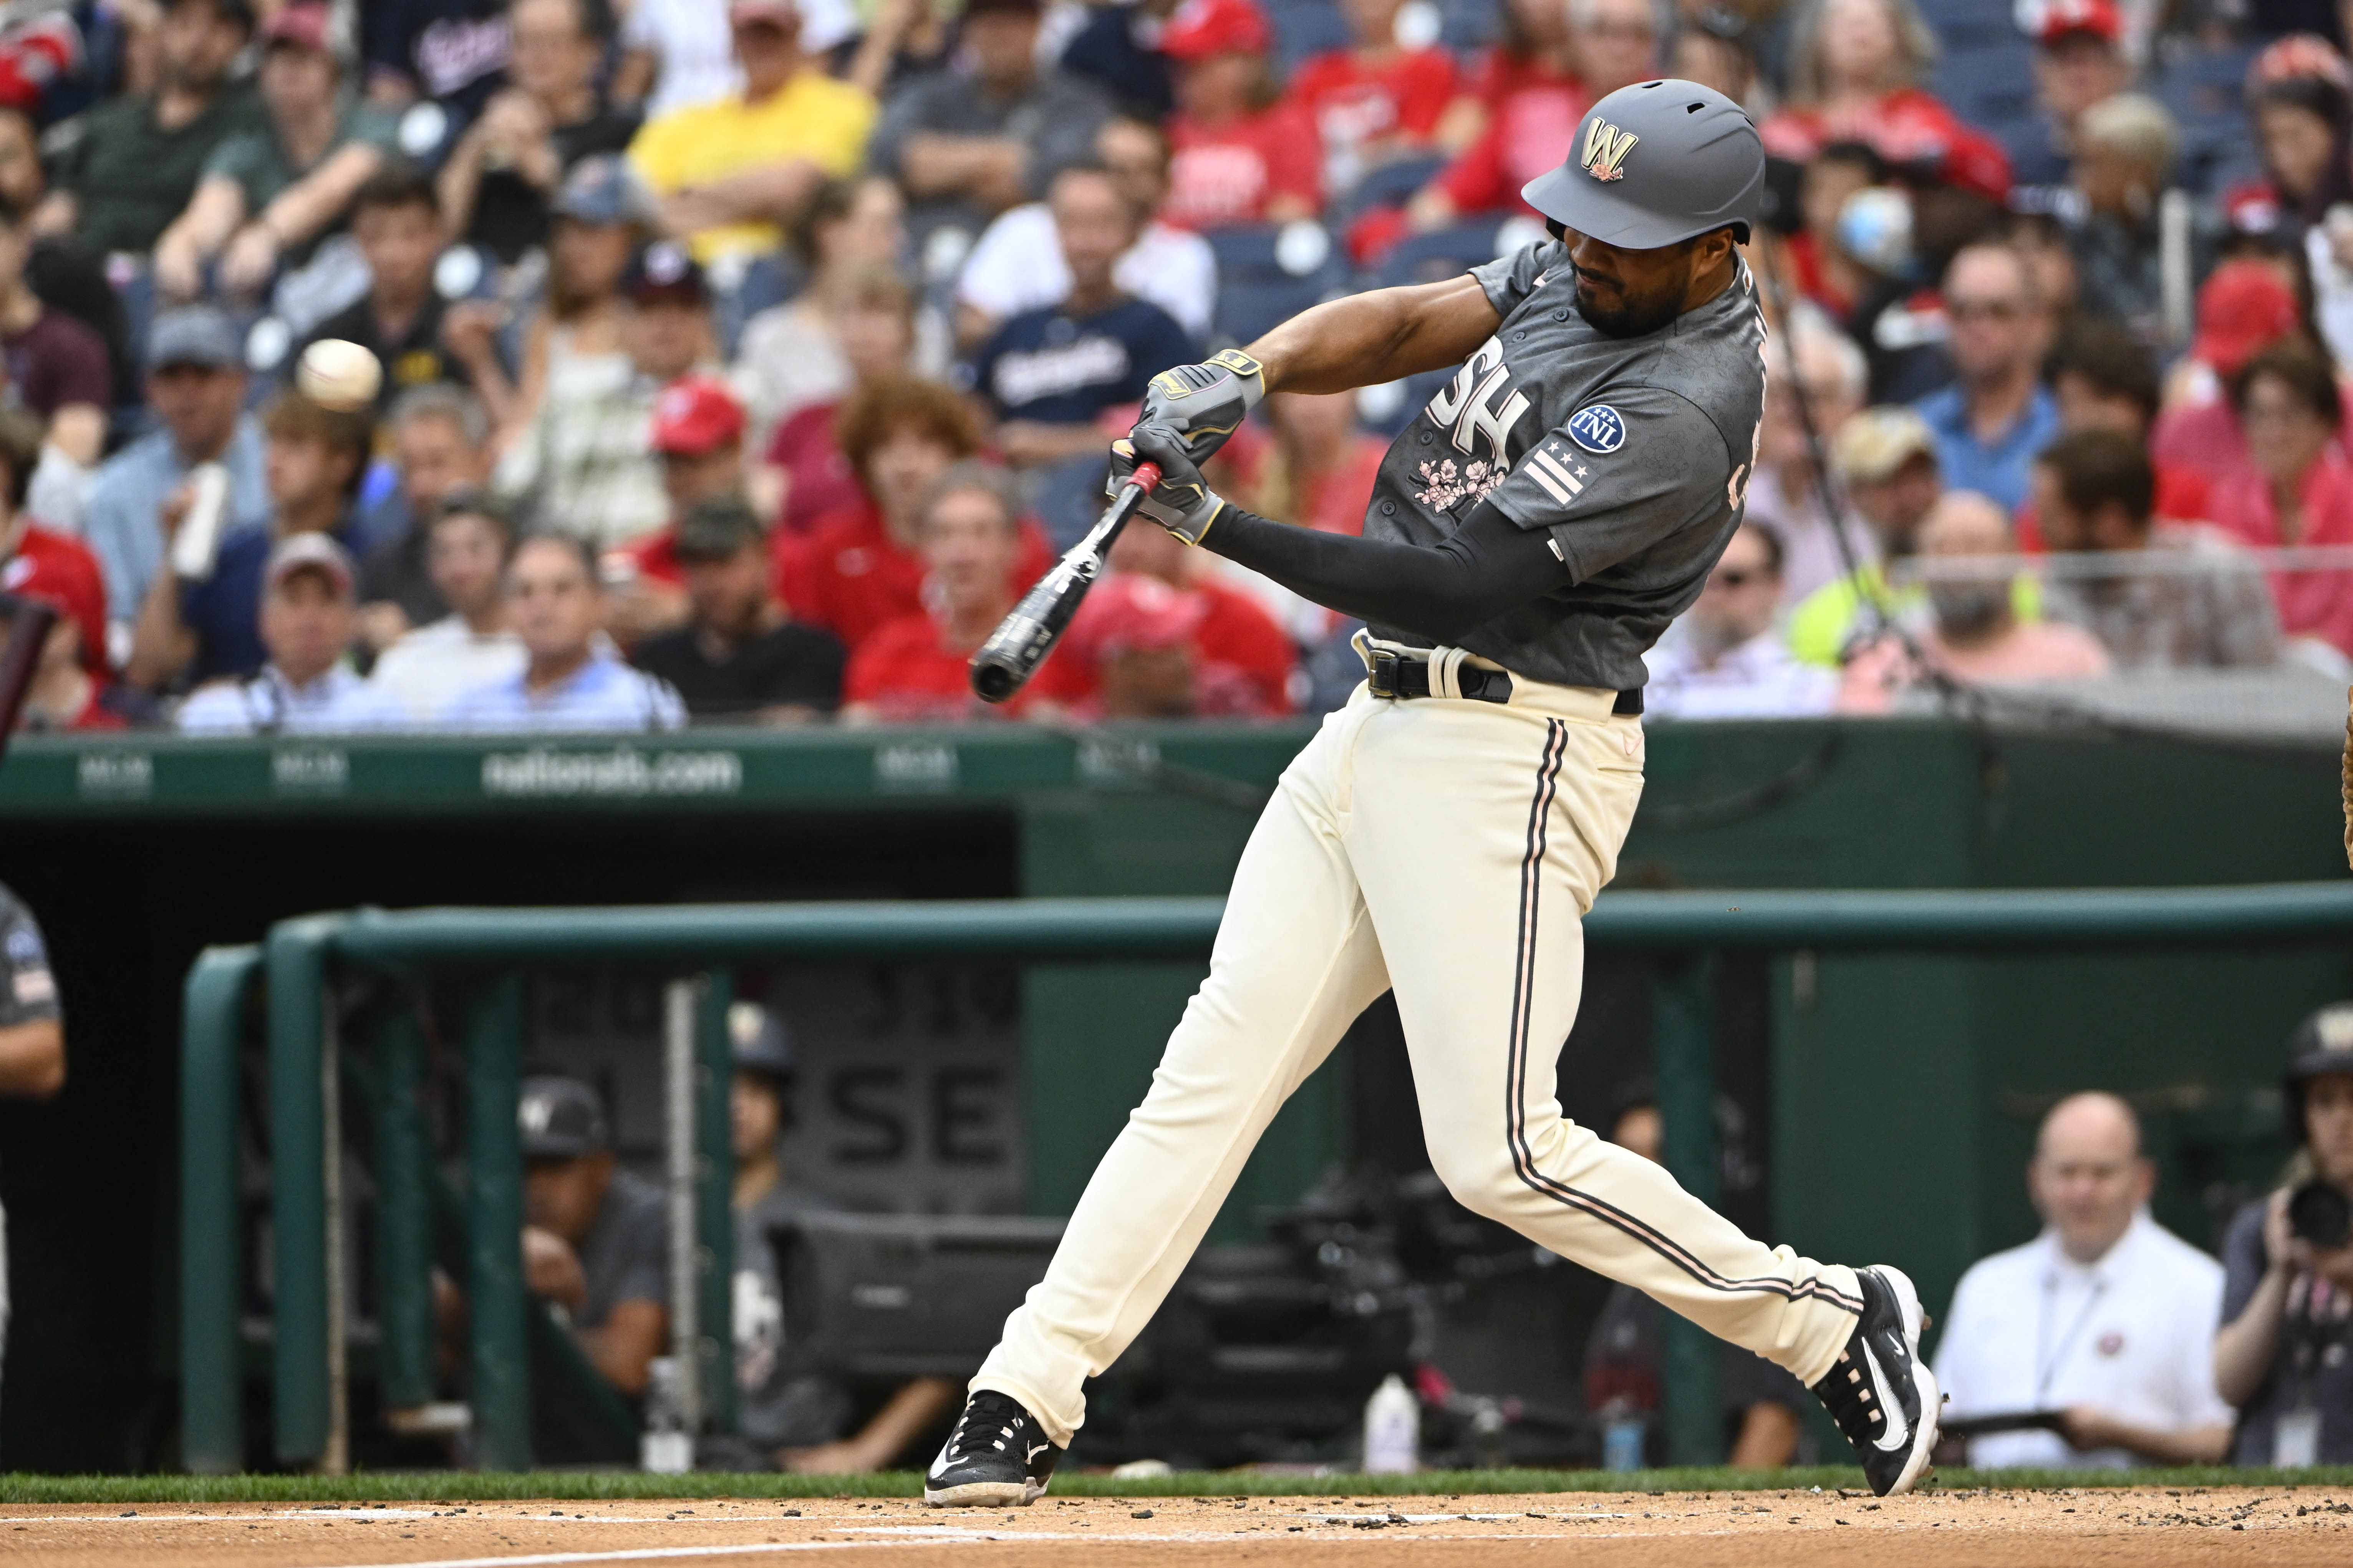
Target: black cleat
[(1881, 1394), (996, 1458)]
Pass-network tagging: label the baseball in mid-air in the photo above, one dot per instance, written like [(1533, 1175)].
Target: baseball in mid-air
[(340, 374)]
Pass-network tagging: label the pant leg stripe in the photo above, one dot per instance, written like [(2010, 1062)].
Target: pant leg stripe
[(1515, 1078)]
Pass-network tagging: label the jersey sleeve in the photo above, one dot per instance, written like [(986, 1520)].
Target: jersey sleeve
[(28, 991), (1508, 280), (1620, 474)]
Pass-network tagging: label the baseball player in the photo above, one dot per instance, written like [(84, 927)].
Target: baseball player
[(1531, 533)]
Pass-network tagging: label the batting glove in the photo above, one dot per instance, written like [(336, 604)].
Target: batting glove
[(1183, 503), (1204, 404)]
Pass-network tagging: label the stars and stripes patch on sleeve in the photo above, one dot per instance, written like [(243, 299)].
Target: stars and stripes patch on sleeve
[(1544, 463)]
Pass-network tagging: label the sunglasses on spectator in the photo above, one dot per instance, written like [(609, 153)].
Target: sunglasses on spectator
[(1990, 309), (1738, 578)]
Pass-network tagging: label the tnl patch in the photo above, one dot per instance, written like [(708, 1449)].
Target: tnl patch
[(1597, 428), (1606, 147)]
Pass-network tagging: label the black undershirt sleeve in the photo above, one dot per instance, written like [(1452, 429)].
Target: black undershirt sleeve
[(1486, 566)]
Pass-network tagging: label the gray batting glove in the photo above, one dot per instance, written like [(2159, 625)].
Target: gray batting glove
[(1204, 404), (1183, 503)]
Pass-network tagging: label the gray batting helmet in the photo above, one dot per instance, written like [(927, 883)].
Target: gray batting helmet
[(1655, 163)]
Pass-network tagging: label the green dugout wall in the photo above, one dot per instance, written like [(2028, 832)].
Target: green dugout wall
[(1912, 1078)]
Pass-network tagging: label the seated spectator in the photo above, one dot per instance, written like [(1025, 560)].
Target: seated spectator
[(1050, 375), (2125, 148), (698, 433), (1377, 99), (1018, 264), (2198, 602), (2102, 378), (1136, 638), (1117, 47), (2079, 60), (418, 337), (793, 1413), (1240, 155), (61, 696), (439, 447), (64, 276), (130, 164), (468, 541), (268, 195), (1826, 273), (2244, 307), (497, 182), (864, 565), (1625, 1356), (42, 562), (1239, 662), (681, 55), (452, 52), (738, 658), (1887, 458), (571, 680), (2297, 489), (2104, 1319), (1320, 468), (1786, 495), (792, 356), (1973, 635), (803, 473), (989, 133), (585, 464), (1537, 103), (1854, 71), (2299, 94), (1723, 657), (729, 173), (2284, 1355), (304, 686), (573, 343), (203, 628), (1997, 414), (57, 366), (916, 669), (196, 389)]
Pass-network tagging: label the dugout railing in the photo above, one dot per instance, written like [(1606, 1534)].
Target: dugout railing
[(293, 976)]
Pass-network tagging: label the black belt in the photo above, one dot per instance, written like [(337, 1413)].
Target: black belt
[(1394, 675)]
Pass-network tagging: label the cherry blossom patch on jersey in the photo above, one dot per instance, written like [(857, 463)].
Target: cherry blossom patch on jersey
[(1597, 428)]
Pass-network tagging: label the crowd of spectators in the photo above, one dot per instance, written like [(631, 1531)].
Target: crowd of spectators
[(807, 323)]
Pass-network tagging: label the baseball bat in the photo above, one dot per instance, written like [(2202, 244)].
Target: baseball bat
[(1023, 639)]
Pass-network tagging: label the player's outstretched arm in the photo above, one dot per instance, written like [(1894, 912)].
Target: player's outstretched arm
[(1386, 334)]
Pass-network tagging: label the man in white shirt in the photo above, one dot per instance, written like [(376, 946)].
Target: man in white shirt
[(571, 679), (1724, 658), (467, 544), (2103, 1326), (308, 619), (1017, 265)]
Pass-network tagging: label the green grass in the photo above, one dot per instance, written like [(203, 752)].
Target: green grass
[(448, 1486)]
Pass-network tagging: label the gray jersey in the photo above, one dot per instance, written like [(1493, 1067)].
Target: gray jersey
[(1633, 453)]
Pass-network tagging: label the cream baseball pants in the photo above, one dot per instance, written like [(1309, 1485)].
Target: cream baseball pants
[(1446, 849)]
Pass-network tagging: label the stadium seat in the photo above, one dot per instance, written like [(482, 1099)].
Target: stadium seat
[(1269, 272), (1422, 257)]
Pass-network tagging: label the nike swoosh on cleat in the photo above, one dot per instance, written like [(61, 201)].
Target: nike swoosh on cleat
[(1898, 1427)]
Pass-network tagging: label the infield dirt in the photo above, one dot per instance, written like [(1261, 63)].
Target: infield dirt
[(2146, 1527)]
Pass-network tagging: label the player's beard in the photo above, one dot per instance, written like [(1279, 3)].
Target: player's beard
[(1631, 318)]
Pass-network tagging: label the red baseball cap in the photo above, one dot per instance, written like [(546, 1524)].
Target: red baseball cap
[(2097, 17), (2244, 309), (1204, 27), (695, 417), (1976, 163), (1130, 612), (2300, 57), (303, 25)]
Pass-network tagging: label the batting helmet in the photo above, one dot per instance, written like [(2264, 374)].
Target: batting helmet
[(1655, 163)]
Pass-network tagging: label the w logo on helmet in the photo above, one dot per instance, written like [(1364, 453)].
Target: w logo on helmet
[(1606, 147)]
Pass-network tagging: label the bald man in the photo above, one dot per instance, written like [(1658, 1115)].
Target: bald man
[(2103, 1324)]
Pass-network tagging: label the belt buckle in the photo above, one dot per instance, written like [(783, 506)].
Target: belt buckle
[(1381, 673)]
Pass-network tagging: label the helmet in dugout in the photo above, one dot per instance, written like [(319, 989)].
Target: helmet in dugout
[(1654, 165)]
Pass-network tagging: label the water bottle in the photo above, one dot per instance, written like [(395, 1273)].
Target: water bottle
[(195, 543), (666, 1447), (1392, 1429), (1622, 1443)]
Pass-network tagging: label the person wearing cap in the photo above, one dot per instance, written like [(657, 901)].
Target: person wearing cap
[(1997, 414), (1241, 659), (270, 193), (196, 389), (989, 133), (595, 1236), (1135, 635), (1724, 658), (698, 438), (730, 174), (204, 628), (469, 541), (1885, 458), (2299, 97), (585, 463), (2284, 1354), (1239, 153), (497, 182), (306, 686), (789, 1412), (571, 679), (1533, 530), (2079, 60), (2175, 594), (2102, 1323), (2247, 304), (1050, 373), (738, 659), (132, 162)]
